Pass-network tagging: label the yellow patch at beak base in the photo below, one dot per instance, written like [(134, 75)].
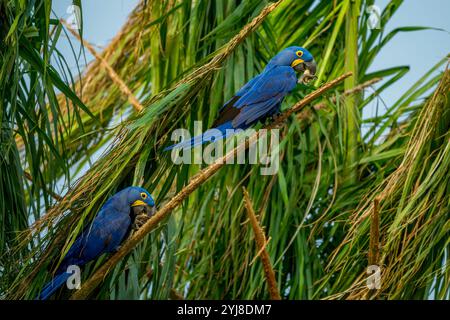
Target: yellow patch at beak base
[(296, 62), (138, 203)]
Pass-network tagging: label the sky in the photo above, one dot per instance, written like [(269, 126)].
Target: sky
[(420, 49), (102, 20)]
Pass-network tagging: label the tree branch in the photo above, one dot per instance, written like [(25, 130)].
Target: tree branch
[(260, 238)]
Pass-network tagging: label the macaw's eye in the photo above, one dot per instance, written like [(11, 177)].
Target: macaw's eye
[(143, 195), (299, 53)]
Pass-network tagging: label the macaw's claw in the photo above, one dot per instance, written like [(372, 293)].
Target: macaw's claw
[(140, 220), (306, 77), (276, 116), (142, 214)]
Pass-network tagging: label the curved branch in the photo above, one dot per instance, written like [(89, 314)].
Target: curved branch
[(261, 242)]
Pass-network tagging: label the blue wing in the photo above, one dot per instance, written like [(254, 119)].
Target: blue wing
[(105, 234), (241, 91), (265, 94), (257, 99)]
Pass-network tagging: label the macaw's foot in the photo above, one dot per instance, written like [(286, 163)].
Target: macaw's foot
[(140, 220), (306, 77), (276, 117)]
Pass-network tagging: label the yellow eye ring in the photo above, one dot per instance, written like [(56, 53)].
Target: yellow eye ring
[(299, 53), (143, 195)]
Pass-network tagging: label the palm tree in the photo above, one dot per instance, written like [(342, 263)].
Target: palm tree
[(343, 198)]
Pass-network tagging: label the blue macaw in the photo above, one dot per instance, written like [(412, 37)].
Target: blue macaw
[(110, 227), (259, 98)]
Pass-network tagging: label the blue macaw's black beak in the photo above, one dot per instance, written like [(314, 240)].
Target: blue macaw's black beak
[(311, 66), (144, 209), (306, 65)]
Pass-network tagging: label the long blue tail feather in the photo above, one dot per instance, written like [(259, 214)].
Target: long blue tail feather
[(53, 285), (209, 135)]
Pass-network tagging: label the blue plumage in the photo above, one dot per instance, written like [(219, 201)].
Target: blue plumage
[(107, 231), (258, 98), (53, 285)]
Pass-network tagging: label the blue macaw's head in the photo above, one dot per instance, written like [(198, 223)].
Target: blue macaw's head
[(296, 57), (136, 200), (139, 196), (141, 201)]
